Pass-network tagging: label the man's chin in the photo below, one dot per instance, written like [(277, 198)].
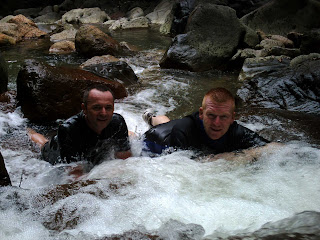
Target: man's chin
[(215, 136)]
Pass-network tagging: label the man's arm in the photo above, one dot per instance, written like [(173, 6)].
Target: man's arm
[(247, 155), (68, 148)]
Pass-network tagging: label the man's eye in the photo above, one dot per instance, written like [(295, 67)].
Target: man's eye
[(96, 108)]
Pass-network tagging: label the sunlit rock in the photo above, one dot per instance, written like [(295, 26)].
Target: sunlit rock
[(86, 15), (135, 13), (99, 59), (26, 28), (140, 22), (68, 32), (212, 36), (159, 14), (6, 40), (63, 47), (91, 41), (47, 93), (275, 82)]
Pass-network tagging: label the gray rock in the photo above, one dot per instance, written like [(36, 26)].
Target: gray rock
[(212, 36), (272, 82)]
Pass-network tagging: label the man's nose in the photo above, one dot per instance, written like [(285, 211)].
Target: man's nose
[(103, 111), (217, 120)]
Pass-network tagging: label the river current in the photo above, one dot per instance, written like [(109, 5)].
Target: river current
[(163, 193)]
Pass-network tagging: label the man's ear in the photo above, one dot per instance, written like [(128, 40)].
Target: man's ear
[(234, 116), (201, 113), (83, 108)]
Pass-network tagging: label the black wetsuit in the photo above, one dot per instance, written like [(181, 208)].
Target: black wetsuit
[(75, 141), (189, 133)]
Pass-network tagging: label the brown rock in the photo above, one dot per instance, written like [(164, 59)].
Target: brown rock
[(91, 41), (62, 47), (47, 93), (26, 28), (6, 40)]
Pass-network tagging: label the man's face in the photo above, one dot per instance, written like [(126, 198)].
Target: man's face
[(99, 110), (217, 118)]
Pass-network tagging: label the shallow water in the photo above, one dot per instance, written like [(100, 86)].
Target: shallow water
[(225, 198)]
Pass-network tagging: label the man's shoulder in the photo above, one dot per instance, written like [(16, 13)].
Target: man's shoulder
[(74, 122), (187, 123), (117, 117)]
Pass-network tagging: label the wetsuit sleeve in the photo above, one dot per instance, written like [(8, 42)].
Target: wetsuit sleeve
[(183, 134), (121, 137), (67, 144), (245, 138)]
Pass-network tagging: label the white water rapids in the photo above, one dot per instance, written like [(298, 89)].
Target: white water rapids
[(224, 197)]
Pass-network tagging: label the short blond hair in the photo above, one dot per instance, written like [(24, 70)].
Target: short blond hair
[(219, 95)]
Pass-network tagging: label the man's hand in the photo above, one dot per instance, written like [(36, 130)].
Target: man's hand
[(123, 155)]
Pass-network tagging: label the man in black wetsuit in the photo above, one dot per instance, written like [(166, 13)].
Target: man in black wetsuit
[(211, 130), (89, 135)]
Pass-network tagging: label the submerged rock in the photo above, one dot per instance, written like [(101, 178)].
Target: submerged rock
[(304, 225), (47, 93)]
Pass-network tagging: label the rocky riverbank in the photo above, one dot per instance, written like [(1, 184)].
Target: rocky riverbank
[(206, 35)]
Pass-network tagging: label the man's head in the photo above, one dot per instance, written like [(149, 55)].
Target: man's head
[(98, 107), (217, 112)]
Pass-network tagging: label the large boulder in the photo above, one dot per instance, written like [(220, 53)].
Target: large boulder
[(47, 93), (277, 82), (284, 16), (3, 75), (91, 41), (212, 36)]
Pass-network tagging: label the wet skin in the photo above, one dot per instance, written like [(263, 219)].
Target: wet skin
[(99, 110), (217, 117)]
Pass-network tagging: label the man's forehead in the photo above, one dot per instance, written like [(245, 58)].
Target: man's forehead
[(214, 104)]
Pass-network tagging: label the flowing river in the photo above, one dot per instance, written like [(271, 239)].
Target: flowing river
[(162, 194)]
